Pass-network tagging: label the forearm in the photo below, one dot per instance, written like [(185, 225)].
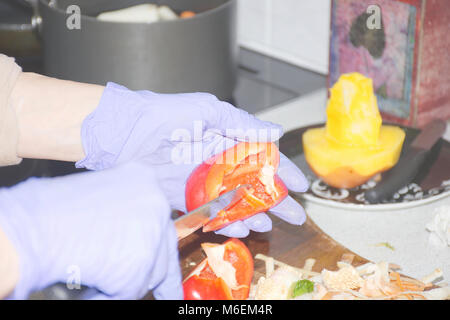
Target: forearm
[(49, 115), (9, 266)]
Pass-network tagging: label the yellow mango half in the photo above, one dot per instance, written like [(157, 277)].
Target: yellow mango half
[(353, 118), (348, 167), (354, 145)]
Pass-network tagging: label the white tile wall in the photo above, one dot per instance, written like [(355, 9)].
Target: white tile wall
[(296, 31)]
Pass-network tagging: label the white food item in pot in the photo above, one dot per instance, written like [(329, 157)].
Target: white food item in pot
[(439, 227), (143, 13), (277, 286), (165, 13)]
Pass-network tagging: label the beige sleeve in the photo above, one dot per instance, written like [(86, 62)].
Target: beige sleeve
[(9, 72)]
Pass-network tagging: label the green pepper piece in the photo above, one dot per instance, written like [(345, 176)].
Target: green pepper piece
[(301, 287)]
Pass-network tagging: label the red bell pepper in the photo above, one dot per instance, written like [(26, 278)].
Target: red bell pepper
[(225, 274), (245, 163)]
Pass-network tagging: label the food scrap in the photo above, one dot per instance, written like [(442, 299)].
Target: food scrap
[(301, 287), (225, 273), (353, 127), (385, 244), (439, 227), (371, 281)]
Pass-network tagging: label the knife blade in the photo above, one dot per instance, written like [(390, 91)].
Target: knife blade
[(409, 164), (194, 220)]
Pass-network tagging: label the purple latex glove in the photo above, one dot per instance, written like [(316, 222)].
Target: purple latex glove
[(173, 178), (110, 230), (176, 132)]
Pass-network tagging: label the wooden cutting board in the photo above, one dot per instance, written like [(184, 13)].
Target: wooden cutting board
[(287, 243)]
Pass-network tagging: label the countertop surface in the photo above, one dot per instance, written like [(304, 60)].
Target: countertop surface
[(361, 231)]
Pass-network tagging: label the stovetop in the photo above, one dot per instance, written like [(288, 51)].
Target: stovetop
[(264, 82)]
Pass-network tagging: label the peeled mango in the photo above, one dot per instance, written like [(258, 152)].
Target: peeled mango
[(354, 145)]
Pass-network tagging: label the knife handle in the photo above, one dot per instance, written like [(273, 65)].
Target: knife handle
[(402, 174)]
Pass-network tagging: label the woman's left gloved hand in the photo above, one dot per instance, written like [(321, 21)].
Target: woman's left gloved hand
[(129, 125), (110, 230)]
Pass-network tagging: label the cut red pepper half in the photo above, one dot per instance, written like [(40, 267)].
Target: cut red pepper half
[(254, 164), (225, 274)]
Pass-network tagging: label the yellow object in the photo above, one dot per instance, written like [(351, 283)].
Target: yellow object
[(187, 14), (354, 145), (353, 118)]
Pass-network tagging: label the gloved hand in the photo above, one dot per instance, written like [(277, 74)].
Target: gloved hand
[(157, 128), (110, 230), (173, 175)]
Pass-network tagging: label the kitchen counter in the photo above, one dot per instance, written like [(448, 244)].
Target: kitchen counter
[(361, 231)]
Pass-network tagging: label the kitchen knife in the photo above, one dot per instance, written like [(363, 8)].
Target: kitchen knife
[(409, 164), (194, 220)]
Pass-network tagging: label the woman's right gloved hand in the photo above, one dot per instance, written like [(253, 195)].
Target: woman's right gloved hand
[(110, 230)]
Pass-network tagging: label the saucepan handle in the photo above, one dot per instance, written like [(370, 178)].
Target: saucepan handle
[(35, 21)]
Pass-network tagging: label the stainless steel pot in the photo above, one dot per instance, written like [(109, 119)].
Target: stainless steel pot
[(185, 55)]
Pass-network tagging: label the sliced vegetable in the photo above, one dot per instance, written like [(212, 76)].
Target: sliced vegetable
[(301, 287), (245, 163), (225, 274), (202, 288)]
